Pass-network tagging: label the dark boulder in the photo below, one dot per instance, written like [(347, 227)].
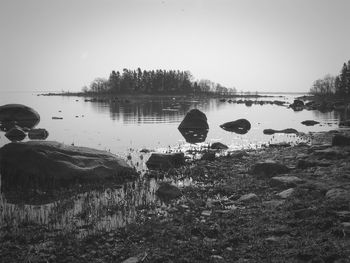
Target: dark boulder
[(208, 156), (167, 192), (194, 135), (15, 134), (38, 134), (218, 146), (240, 126), (194, 119), (297, 105), (165, 160), (268, 169), (21, 115), (309, 122), (286, 131), (340, 140), (48, 165), (248, 103)]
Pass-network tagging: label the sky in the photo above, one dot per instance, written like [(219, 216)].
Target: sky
[(252, 45)]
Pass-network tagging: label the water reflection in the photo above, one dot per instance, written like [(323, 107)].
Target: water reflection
[(155, 110), (90, 211), (194, 135)]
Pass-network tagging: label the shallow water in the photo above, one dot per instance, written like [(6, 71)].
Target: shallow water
[(124, 128)]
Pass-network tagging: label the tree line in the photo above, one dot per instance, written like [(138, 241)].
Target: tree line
[(154, 82), (339, 85)]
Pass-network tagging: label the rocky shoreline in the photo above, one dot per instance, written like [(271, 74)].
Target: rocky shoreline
[(277, 204)]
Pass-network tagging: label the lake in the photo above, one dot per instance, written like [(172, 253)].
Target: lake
[(124, 127)]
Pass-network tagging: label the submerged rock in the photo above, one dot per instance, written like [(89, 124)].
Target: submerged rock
[(286, 131), (194, 119), (309, 122), (240, 126), (49, 165), (165, 160), (18, 114), (15, 134), (38, 134)]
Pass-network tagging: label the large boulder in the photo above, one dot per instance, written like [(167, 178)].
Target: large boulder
[(15, 134), (240, 126), (194, 119), (48, 165), (297, 105), (165, 160), (18, 114), (38, 134)]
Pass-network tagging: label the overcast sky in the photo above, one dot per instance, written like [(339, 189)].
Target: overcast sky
[(253, 45)]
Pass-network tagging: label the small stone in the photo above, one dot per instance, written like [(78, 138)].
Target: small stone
[(131, 260), (248, 197), (285, 180), (286, 193), (338, 194), (206, 213), (272, 239)]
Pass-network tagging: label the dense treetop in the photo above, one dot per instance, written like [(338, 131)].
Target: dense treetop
[(153, 82), (339, 85)]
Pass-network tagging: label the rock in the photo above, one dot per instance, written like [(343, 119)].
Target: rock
[(286, 181), (303, 164), (194, 119), (165, 160), (218, 146), (345, 123), (268, 169), (15, 134), (286, 131), (194, 135), (286, 193), (21, 115), (208, 156), (248, 197), (338, 194), (167, 192), (330, 154), (340, 140), (48, 165), (297, 105), (38, 134), (248, 103), (240, 126), (309, 122)]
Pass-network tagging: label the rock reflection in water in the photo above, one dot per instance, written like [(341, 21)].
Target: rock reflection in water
[(194, 135), (90, 211)]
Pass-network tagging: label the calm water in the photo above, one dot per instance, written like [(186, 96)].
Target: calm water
[(124, 128)]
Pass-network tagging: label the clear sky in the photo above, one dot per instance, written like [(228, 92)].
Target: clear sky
[(253, 45)]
